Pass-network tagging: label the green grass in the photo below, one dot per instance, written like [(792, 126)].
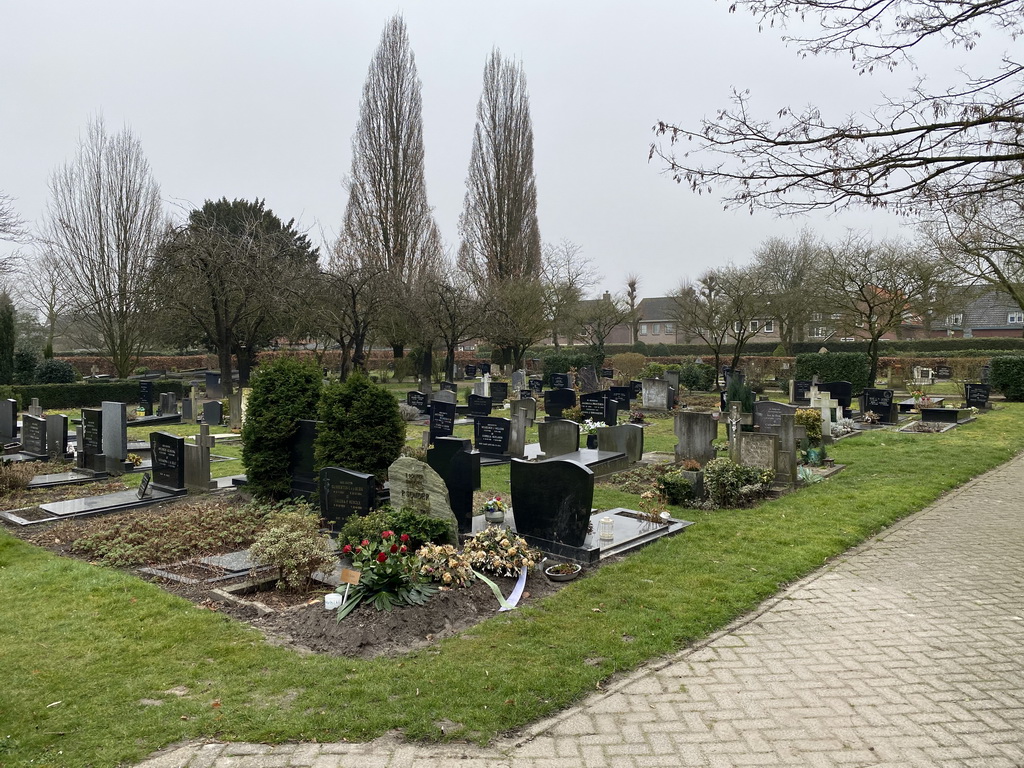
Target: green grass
[(99, 641)]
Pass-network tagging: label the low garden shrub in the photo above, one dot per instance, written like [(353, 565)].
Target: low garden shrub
[(628, 365), (1007, 376), (652, 371), (16, 475), (421, 529), (674, 488), (90, 394), (291, 542), (853, 367), (728, 484), (56, 372)]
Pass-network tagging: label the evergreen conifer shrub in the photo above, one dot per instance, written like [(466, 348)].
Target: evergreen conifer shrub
[(283, 391), (1008, 377), (360, 427)]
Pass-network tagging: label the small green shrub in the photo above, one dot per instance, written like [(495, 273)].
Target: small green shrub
[(737, 391), (56, 372), (421, 529), (810, 420), (1007, 376), (26, 361), (628, 365), (674, 488), (652, 371), (697, 376), (835, 366), (360, 427), (292, 543), (728, 484), (659, 350)]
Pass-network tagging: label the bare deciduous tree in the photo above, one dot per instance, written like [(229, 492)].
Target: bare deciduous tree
[(566, 276), (597, 319), (42, 290), (785, 272), (388, 219), (960, 142), (701, 309), (11, 225), (104, 222), (452, 310), (632, 294)]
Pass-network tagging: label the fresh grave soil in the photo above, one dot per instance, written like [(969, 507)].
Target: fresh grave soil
[(299, 620)]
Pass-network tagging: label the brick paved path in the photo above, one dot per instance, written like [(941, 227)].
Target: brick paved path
[(908, 651)]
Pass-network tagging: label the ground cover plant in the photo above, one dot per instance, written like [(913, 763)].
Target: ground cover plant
[(96, 643)]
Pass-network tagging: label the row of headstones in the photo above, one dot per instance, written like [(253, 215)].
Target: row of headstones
[(552, 500), (878, 401)]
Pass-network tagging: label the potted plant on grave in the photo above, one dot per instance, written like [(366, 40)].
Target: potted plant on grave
[(810, 420), (563, 571), (494, 510), (589, 428)]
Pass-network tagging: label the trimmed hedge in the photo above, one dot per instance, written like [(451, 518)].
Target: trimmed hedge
[(90, 394), (982, 345), (563, 361), (1007, 376), (835, 366)]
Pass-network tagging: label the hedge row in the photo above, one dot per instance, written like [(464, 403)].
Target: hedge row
[(890, 348), (87, 394), (1008, 377)]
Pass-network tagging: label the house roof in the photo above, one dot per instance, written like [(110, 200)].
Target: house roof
[(657, 309), (988, 309)]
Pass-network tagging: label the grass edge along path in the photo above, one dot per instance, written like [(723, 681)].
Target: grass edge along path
[(101, 668)]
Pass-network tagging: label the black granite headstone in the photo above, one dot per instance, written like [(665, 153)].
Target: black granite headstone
[(33, 435), (621, 395), (842, 391), (880, 402), (449, 386), (8, 420), (417, 400), (802, 391), (607, 373), (499, 391), (536, 386), (557, 400), (168, 452), (943, 372), (559, 380), (479, 405), (491, 435), (767, 416), (593, 405), (636, 389), (470, 371), (552, 500), (90, 452), (344, 493), (442, 419), (301, 463), (977, 395), (146, 397), (484, 368), (56, 435), (213, 412), (214, 390), (459, 466)]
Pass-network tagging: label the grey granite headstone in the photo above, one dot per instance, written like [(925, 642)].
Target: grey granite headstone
[(624, 438), (213, 412), (558, 437), (35, 409), (757, 450), (768, 415), (695, 433), (552, 500), (56, 435), (656, 394), (672, 377), (168, 452), (344, 493), (518, 380), (168, 404), (115, 436), (443, 396), (520, 422), (414, 485), (588, 379), (197, 461), (527, 405), (235, 409)]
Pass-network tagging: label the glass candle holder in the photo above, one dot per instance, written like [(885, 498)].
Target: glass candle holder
[(606, 529)]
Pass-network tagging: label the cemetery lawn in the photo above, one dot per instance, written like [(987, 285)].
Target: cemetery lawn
[(101, 668)]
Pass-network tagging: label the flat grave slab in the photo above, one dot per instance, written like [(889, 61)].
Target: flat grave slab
[(108, 502), (148, 421), (57, 479)]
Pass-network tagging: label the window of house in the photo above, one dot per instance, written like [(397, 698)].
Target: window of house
[(769, 326), (643, 329), (737, 327), (754, 325), (1015, 317), (817, 332), (815, 317), (656, 329), (837, 316), (670, 327), (957, 319)]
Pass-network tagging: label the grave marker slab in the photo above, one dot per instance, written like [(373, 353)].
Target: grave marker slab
[(560, 380), (470, 371), (90, 446), (8, 420), (168, 404), (557, 400), (695, 433), (33, 436), (536, 386), (558, 437), (528, 406), (944, 372), (418, 400), (214, 390), (56, 435), (624, 438), (197, 461), (491, 435), (672, 377), (459, 466), (800, 391), (146, 397), (977, 395), (636, 390), (115, 437), (442, 418), (168, 452), (479, 406), (841, 391), (449, 386), (484, 368), (881, 402), (768, 416), (621, 395), (588, 379), (499, 392), (213, 412), (756, 450), (344, 493), (607, 373), (518, 380), (656, 394), (301, 462)]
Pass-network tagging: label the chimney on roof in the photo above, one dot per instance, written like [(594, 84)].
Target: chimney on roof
[(607, 296)]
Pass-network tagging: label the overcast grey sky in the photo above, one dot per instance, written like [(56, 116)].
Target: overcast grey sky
[(259, 99)]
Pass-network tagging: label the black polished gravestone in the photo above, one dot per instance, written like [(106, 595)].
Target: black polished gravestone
[(470, 371), (556, 401), (90, 448), (801, 391), (56, 436), (479, 406), (944, 372), (442, 419), (168, 452), (483, 368), (560, 380), (491, 435), (8, 420), (536, 386), (881, 403), (607, 373), (459, 466), (499, 391), (33, 436), (449, 386), (842, 391), (977, 395), (213, 412), (636, 389), (300, 461), (621, 395), (599, 406), (552, 501), (344, 493), (417, 400), (146, 397), (214, 390)]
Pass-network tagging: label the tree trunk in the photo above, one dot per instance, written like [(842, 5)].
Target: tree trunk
[(245, 360), (427, 364), (873, 358), (224, 361)]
